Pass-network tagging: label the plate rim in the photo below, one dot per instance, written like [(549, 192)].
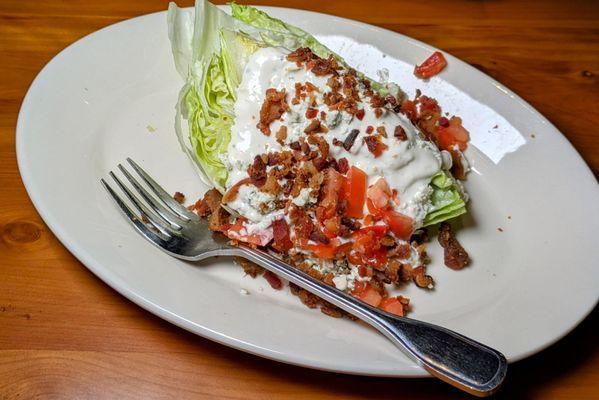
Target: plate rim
[(95, 266)]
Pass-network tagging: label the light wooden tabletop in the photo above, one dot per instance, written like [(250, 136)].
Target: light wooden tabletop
[(65, 334)]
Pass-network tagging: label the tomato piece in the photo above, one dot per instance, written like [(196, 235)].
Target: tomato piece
[(431, 66), (331, 226), (368, 294), (393, 306), (355, 192), (379, 194), (238, 231), (453, 134), (324, 251), (401, 225)]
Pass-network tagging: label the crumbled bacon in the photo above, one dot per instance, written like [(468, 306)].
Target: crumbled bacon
[(323, 115), (311, 88), (302, 223), (381, 131), (334, 83), (360, 114), (179, 197), (281, 135), (249, 267), (377, 101), (272, 109), (375, 145), (350, 139), (271, 185), (400, 133), (324, 67), (378, 112), (350, 223), (342, 165), (455, 255), (257, 171), (311, 113), (337, 142), (210, 203), (314, 127), (369, 129), (301, 55)]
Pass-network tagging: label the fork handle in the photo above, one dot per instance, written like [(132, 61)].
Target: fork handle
[(451, 357)]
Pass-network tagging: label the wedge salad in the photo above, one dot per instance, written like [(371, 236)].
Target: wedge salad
[(334, 172)]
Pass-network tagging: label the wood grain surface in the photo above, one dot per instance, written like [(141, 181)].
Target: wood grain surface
[(66, 335)]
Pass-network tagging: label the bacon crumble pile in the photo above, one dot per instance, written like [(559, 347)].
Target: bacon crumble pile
[(328, 233)]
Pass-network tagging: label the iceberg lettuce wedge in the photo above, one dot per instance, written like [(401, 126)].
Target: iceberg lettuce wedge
[(210, 50)]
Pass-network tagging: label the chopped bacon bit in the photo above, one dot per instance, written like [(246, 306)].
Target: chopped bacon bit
[(408, 108), (381, 131), (360, 114), (313, 127), (324, 67), (311, 113), (377, 101), (210, 203), (350, 223), (375, 146), (391, 100), (257, 171), (281, 241), (295, 146), (378, 112), (333, 83), (400, 133), (301, 55), (323, 115), (320, 163), (179, 197), (273, 280), (337, 142), (444, 122), (249, 267), (457, 166), (421, 279), (350, 139), (333, 100), (218, 220), (272, 109), (271, 185), (281, 134), (428, 106), (455, 255), (343, 165), (369, 129), (319, 237), (322, 144)]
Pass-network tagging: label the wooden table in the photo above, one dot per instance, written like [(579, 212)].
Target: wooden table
[(65, 334)]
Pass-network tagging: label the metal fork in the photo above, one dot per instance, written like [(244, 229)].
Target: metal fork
[(454, 358)]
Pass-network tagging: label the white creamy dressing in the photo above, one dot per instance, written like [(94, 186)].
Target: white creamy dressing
[(408, 166)]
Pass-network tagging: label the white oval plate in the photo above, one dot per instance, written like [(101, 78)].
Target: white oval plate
[(112, 94)]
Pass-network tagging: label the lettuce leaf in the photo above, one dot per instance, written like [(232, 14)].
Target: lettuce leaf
[(448, 199)]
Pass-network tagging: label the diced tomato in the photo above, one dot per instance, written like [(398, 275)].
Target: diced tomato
[(355, 192), (367, 294), (431, 66), (393, 306), (453, 134), (280, 230), (237, 232), (333, 184), (273, 280), (325, 251), (401, 225), (379, 195), (331, 226), (428, 105)]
